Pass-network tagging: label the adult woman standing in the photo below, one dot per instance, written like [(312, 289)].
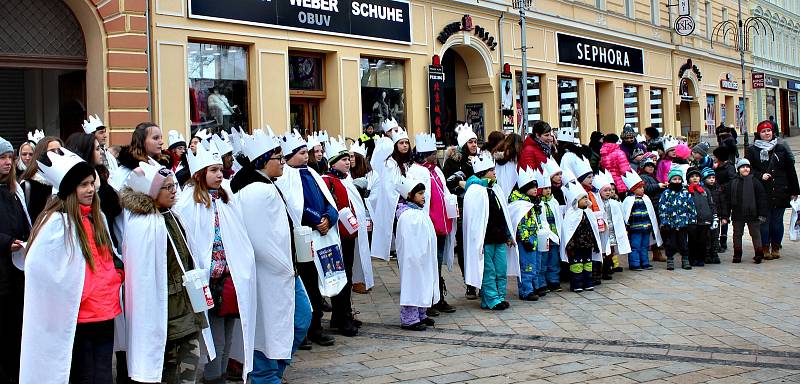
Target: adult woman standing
[(25, 155), (537, 147), (219, 241), (773, 163), (146, 143), (14, 230), (36, 187), (72, 297)]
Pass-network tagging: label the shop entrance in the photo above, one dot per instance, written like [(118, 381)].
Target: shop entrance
[(43, 74), (784, 120), (304, 115), (605, 106), (468, 92)]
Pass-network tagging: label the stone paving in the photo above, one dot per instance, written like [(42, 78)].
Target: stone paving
[(727, 323)]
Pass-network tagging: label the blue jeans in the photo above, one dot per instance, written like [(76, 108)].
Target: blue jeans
[(550, 272), (271, 370), (495, 272), (640, 242), (772, 230), (529, 266)]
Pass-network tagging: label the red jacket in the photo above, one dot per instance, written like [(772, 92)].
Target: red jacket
[(532, 155), (614, 160), (339, 193)]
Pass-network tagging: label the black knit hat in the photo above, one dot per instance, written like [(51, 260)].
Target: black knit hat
[(611, 138)]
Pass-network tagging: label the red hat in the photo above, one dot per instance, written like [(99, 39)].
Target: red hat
[(766, 124)]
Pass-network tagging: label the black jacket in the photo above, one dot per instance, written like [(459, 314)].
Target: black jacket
[(651, 188), (733, 209), (780, 165), (13, 226), (716, 196), (455, 162), (725, 172), (496, 229), (36, 196), (705, 207)]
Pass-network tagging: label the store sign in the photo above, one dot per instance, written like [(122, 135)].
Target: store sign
[(599, 54), (684, 24), (507, 101), (436, 100), (466, 25), (728, 83), (772, 82), (757, 80), (793, 85), (385, 20)]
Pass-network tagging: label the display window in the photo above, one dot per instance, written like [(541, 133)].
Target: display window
[(711, 114), (631, 104), (657, 109), (534, 99), (306, 74), (382, 91), (568, 105), (772, 104), (218, 91)]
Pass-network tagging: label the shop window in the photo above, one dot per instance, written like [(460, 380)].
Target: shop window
[(657, 109), (217, 86), (793, 109), (382, 91), (711, 114), (306, 75), (568, 105), (631, 100), (534, 99), (772, 106)]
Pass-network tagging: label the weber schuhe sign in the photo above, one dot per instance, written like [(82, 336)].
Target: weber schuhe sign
[(599, 54), (385, 20)]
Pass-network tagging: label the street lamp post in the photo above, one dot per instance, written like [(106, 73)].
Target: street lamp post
[(522, 5), (745, 131)]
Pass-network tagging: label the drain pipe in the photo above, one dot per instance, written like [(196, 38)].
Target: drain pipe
[(500, 36), (149, 64)]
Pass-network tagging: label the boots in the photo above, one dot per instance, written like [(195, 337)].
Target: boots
[(685, 264), (360, 288), (776, 251), (442, 305), (759, 255), (737, 256), (658, 254), (670, 263), (723, 243), (765, 253)]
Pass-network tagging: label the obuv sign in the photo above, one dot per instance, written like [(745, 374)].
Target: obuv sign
[(599, 54), (386, 20)]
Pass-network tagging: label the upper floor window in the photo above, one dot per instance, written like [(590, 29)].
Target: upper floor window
[(600, 4), (654, 12), (629, 11)]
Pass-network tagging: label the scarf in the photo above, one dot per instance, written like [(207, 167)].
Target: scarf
[(545, 148), (766, 147), (743, 193), (677, 187), (696, 188)]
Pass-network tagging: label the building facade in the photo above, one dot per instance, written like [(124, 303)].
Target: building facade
[(779, 59), (339, 65)]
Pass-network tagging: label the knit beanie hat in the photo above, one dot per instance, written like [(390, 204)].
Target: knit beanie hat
[(611, 138), (692, 171), (675, 172), (701, 148), (628, 131), (5, 146), (707, 172), (721, 153), (741, 163)]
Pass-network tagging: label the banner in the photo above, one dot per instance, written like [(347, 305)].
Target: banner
[(585, 52), (436, 100), (507, 101), (473, 114), (385, 20)]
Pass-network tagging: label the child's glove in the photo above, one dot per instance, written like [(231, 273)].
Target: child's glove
[(715, 223), (762, 219), (527, 246)]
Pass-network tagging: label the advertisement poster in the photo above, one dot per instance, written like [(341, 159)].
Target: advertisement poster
[(711, 114), (507, 101), (436, 100), (473, 114)]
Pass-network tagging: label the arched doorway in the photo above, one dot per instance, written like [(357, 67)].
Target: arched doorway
[(468, 88), (689, 110), (42, 69)]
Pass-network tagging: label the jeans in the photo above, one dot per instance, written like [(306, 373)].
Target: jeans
[(772, 230), (92, 353), (271, 370), (551, 265), (640, 242), (529, 266), (222, 332), (495, 269)]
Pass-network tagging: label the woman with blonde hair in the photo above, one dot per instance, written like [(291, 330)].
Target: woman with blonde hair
[(36, 187)]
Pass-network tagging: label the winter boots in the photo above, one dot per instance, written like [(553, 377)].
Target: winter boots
[(442, 305), (723, 243), (776, 252), (670, 263), (658, 254), (760, 252), (685, 264), (737, 256)]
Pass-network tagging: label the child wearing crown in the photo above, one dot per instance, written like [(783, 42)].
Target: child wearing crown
[(640, 217), (524, 208), (550, 218), (676, 212), (615, 238), (580, 238), (488, 240)]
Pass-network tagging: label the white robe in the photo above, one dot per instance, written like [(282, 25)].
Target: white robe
[(199, 224), (572, 217), (275, 294), (620, 231), (383, 198), (570, 162), (476, 219), (627, 207), (18, 258), (416, 257), (54, 273), (423, 175), (507, 177), (558, 213)]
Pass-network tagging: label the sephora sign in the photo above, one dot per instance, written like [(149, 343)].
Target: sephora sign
[(585, 52), (384, 20)]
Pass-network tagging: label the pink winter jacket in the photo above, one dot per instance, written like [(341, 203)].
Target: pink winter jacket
[(613, 160)]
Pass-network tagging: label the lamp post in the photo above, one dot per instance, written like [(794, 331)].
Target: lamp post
[(522, 5)]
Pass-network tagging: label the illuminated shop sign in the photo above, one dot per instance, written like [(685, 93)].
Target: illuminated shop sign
[(599, 54)]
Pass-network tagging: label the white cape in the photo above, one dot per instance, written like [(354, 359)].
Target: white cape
[(199, 225), (572, 218), (416, 257), (507, 177), (620, 230), (558, 214), (476, 217), (362, 264), (383, 197), (274, 333), (291, 185), (423, 175), (627, 207)]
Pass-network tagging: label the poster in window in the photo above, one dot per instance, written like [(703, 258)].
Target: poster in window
[(473, 114), (379, 104), (711, 114), (507, 101)]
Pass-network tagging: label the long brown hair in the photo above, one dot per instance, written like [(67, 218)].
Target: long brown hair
[(38, 154), (360, 166), (138, 139), (201, 189), (512, 148), (70, 208), (11, 178)]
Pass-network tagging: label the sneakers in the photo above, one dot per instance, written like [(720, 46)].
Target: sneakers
[(414, 327), (577, 290), (635, 269), (556, 287), (589, 289), (443, 307), (776, 251), (542, 292), (471, 293), (531, 297), (428, 322), (648, 267), (685, 264)]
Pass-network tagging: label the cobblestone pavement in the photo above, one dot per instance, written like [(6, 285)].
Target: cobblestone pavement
[(728, 323)]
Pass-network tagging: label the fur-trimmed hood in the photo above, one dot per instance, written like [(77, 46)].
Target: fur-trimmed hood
[(136, 202)]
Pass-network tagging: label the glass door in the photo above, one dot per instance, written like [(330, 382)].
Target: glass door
[(304, 115)]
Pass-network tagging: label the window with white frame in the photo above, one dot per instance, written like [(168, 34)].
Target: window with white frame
[(655, 16), (534, 96), (709, 19), (629, 11), (657, 108), (631, 105), (600, 4)]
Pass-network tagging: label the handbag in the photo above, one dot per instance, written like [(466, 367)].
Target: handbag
[(327, 254)]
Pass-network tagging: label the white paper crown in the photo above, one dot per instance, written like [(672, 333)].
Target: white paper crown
[(175, 137), (582, 167), (93, 124), (670, 143), (389, 124), (361, 149), (406, 185), (60, 165), (321, 137), (602, 179), (566, 134), (203, 134), (525, 176), (222, 143), (148, 178), (464, 134), (312, 141), (398, 133), (482, 162), (640, 138), (573, 192), (236, 140), (425, 142), (631, 179), (35, 136), (567, 177), (259, 143), (334, 147), (550, 167), (203, 158), (291, 141), (542, 180)]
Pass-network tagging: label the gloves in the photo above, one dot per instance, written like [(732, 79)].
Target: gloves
[(458, 176), (762, 219), (715, 223)]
